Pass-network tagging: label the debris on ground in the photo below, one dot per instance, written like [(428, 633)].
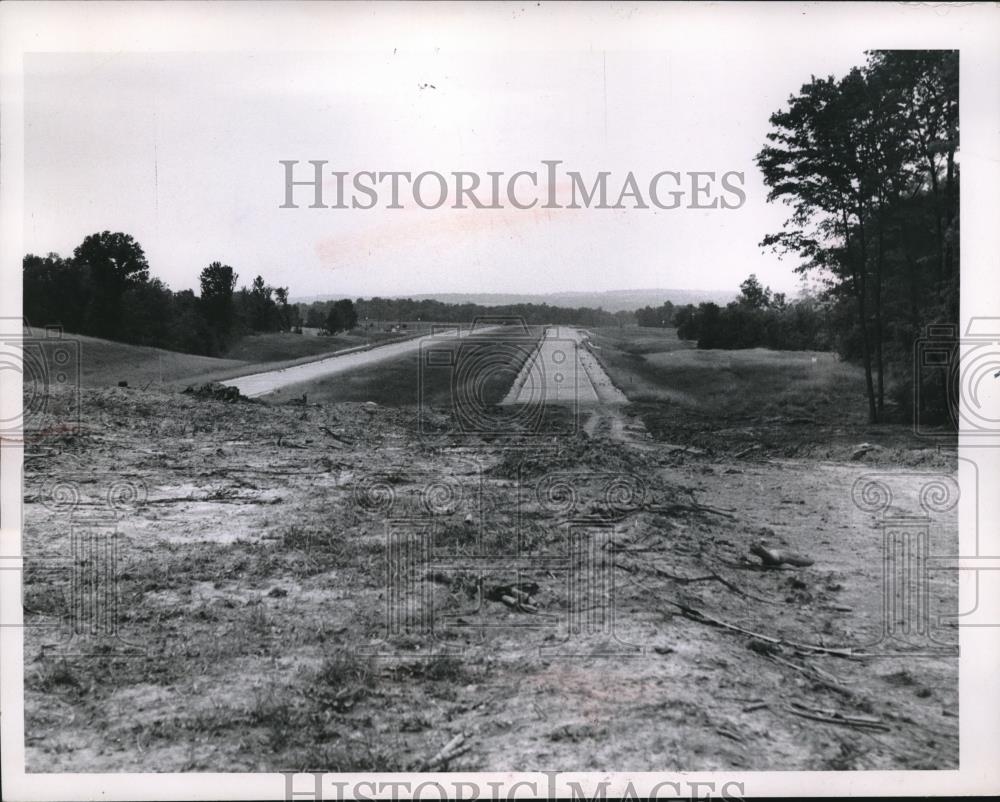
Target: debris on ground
[(864, 450), (227, 513), (456, 747), (775, 558), (216, 391)]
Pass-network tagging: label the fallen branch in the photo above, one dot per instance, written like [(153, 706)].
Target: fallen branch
[(731, 734), (339, 437), (676, 507), (454, 748), (194, 500), (835, 717), (520, 606), (686, 580), (746, 565), (616, 548), (772, 558), (815, 675), (698, 615)]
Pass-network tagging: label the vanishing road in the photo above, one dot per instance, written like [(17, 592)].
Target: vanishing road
[(258, 384), (564, 371)]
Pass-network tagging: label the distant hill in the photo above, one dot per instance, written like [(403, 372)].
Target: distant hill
[(609, 300)]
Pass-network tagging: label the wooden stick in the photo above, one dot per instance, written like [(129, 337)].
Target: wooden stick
[(712, 577), (448, 752), (326, 430), (698, 615), (839, 718), (813, 673)]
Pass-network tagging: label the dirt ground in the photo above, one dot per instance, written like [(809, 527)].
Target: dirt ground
[(320, 587)]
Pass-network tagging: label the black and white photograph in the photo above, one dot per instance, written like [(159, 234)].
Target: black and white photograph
[(547, 399)]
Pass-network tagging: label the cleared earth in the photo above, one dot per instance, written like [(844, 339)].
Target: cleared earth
[(344, 586)]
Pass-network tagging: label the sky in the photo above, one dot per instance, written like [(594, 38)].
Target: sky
[(182, 151)]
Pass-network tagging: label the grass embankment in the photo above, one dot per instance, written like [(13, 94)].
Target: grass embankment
[(480, 369), (104, 363), (654, 365), (791, 403)]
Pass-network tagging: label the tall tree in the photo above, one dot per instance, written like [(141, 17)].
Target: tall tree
[(342, 316), (284, 312), (55, 292), (853, 158), (114, 262), (261, 305), (217, 284), (753, 294)]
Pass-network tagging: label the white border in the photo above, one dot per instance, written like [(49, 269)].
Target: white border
[(272, 26)]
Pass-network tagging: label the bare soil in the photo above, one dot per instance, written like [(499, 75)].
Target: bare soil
[(588, 600)]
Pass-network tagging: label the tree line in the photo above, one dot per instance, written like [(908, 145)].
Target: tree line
[(105, 290), (758, 318), (385, 312), (868, 165)]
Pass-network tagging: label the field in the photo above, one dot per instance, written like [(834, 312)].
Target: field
[(326, 585)]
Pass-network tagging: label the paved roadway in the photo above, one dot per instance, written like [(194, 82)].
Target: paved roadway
[(563, 371), (258, 384)]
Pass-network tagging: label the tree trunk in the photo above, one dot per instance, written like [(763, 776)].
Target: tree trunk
[(879, 334), (949, 209), (860, 291), (938, 214)]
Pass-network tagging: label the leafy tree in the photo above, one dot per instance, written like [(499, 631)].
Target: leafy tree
[(218, 281), (147, 314), (54, 291), (257, 307), (287, 315), (753, 295), (868, 165), (341, 317), (315, 317), (189, 331), (114, 262), (655, 317)]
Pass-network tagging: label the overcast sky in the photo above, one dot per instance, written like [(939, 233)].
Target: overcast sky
[(181, 150)]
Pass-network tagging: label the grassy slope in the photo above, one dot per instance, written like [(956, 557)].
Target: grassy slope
[(105, 363), (487, 366), (775, 402), (653, 365)]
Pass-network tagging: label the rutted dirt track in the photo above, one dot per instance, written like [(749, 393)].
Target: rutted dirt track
[(255, 545)]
